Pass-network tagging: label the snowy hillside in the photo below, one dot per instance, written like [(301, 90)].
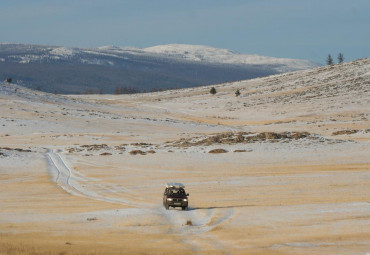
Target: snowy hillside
[(77, 70), (222, 56), (282, 168)]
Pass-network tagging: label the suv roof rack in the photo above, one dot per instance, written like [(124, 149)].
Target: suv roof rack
[(175, 185)]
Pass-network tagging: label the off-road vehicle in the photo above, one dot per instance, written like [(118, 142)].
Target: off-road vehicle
[(175, 196)]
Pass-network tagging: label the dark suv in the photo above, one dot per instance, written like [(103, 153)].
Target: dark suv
[(175, 196)]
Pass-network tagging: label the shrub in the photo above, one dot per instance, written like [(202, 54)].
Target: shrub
[(237, 93), (136, 152), (218, 151), (240, 151), (106, 154), (213, 91)]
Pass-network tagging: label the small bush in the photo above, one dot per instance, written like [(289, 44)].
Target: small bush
[(189, 223), (9, 80), (237, 93), (135, 152), (213, 91), (240, 150), (106, 154), (218, 151)]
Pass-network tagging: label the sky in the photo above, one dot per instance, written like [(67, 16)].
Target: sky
[(302, 29)]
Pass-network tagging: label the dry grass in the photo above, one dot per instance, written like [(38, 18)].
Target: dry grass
[(44, 244), (189, 223), (136, 152)]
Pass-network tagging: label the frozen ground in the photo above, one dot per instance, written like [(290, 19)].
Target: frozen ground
[(85, 174)]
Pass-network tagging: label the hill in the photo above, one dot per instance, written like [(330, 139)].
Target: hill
[(106, 69), (283, 168)]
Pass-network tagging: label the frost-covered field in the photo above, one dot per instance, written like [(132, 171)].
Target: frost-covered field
[(85, 174)]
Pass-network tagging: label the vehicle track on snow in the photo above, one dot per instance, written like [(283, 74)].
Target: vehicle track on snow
[(77, 184), (194, 235), (202, 222)]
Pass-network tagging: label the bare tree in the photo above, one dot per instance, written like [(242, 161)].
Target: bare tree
[(329, 60), (340, 58), (117, 90)]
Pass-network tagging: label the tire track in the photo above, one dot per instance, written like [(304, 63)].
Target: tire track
[(78, 185), (202, 222), (194, 235)]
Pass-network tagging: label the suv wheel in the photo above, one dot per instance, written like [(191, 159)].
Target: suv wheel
[(166, 206), (184, 208)]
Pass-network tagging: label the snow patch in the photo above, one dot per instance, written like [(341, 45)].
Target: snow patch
[(214, 55), (63, 52)]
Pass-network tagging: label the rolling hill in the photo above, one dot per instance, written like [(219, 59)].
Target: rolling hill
[(108, 69), (85, 174)]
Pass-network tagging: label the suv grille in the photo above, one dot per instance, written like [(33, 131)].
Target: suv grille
[(177, 200)]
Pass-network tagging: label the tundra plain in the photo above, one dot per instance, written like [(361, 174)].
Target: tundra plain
[(85, 174)]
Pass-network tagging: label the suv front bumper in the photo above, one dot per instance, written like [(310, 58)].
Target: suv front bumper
[(177, 203)]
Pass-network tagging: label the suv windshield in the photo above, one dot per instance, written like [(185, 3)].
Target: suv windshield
[(176, 192)]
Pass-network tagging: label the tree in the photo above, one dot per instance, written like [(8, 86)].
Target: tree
[(116, 90), (213, 91), (340, 58), (237, 93), (329, 60), (9, 80)]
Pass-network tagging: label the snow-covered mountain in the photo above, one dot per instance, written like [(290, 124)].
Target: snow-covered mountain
[(224, 56), (79, 70)]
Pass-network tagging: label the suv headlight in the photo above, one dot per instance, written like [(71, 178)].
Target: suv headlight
[(169, 199), (185, 199)]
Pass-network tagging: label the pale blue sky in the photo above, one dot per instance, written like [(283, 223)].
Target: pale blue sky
[(307, 29)]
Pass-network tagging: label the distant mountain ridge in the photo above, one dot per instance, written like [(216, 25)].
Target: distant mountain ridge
[(224, 56), (104, 69)]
